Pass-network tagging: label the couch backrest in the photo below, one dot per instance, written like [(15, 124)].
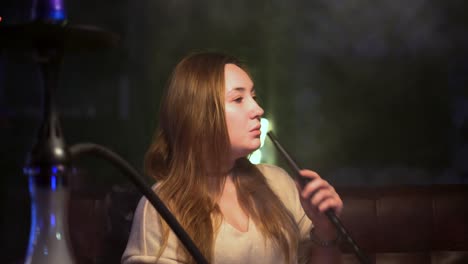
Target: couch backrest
[(396, 224), (408, 224)]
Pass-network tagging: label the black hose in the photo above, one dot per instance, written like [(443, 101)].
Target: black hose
[(81, 149)]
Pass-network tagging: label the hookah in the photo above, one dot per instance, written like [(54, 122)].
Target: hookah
[(49, 162)]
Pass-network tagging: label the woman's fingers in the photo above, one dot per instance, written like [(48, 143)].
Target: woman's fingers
[(320, 197), (309, 174), (313, 186), (335, 204), (325, 199), (319, 194)]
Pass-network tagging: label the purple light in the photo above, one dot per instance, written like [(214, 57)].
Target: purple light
[(58, 4)]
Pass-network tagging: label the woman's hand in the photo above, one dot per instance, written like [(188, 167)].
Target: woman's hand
[(317, 197)]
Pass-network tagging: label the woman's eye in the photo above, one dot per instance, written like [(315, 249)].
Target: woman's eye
[(238, 100)]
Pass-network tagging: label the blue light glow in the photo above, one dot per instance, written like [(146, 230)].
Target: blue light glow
[(53, 182), (32, 228), (52, 220), (57, 15), (57, 10)]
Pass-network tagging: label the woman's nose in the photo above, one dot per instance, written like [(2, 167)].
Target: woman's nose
[(257, 111)]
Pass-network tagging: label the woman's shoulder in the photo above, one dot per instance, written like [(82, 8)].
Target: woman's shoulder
[(144, 210), (279, 181), (274, 173)]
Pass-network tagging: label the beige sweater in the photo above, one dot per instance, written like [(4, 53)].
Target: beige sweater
[(231, 245)]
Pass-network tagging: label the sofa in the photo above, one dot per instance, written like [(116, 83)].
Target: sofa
[(408, 224), (392, 224)]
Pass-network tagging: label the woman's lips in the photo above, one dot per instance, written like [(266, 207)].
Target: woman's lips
[(256, 132)]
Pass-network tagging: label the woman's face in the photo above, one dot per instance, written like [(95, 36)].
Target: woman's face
[(242, 112)]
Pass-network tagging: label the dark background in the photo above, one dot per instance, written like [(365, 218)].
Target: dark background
[(364, 92)]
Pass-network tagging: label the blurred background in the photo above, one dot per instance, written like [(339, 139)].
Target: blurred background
[(365, 92)]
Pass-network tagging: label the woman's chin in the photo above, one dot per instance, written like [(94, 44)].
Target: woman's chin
[(246, 151), (254, 148)]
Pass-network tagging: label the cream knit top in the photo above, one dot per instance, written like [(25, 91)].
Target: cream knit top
[(231, 245)]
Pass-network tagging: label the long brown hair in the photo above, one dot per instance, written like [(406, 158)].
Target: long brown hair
[(189, 154)]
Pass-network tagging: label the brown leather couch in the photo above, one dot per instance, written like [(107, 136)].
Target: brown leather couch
[(408, 224), (396, 224)]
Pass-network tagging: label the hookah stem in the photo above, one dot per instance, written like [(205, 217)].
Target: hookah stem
[(330, 214)]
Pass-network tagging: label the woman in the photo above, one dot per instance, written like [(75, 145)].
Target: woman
[(236, 212)]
